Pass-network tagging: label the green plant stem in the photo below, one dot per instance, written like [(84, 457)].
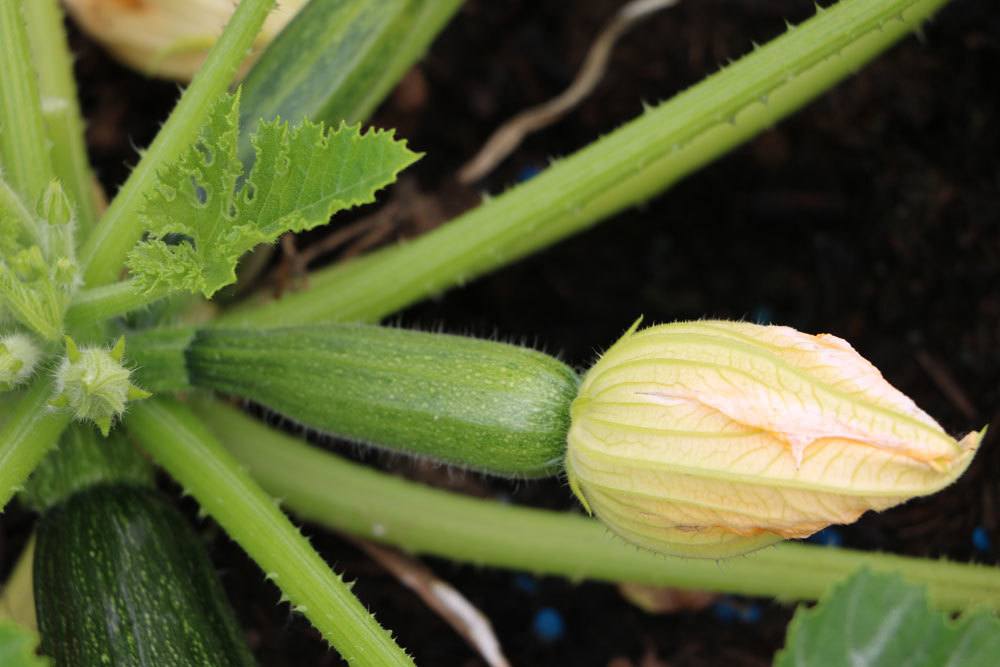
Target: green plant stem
[(324, 488), (625, 168), (102, 303), (85, 459), (24, 146), (178, 441), (160, 356), (29, 430), (13, 207), (336, 61), (60, 107), (414, 33), (105, 249), (17, 600)]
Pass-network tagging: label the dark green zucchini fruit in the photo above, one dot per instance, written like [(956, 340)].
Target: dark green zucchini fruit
[(121, 580)]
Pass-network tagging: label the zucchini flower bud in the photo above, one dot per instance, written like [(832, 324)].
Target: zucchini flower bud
[(93, 383), (18, 358), (712, 438), (169, 38)]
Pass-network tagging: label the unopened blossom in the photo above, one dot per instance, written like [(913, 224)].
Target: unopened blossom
[(94, 385), (714, 438), (19, 356), (169, 38)]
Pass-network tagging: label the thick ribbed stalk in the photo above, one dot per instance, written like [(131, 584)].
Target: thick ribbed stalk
[(28, 431), (623, 169), (160, 358), (61, 108), (98, 304), (104, 252), (178, 441), (324, 488), (24, 146)]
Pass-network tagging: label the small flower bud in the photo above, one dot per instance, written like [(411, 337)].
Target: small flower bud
[(713, 438), (29, 264), (93, 383), (54, 206), (66, 274), (18, 358)]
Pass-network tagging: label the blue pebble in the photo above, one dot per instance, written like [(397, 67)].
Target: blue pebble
[(828, 537), (526, 583), (750, 613), (981, 540), (529, 172), (548, 625), (725, 611)]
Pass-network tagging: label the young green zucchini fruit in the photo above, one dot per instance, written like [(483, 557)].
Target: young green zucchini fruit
[(479, 404), (120, 577)]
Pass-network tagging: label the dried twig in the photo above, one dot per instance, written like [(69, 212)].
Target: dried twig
[(510, 135), (408, 207), (440, 596), (375, 234), (347, 234), (295, 263)]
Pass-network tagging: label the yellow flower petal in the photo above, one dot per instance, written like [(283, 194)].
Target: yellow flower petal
[(735, 435)]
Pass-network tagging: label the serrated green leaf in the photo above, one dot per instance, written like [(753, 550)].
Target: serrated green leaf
[(879, 620), (201, 217), (17, 646)]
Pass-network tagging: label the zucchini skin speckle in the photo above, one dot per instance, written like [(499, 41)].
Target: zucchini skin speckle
[(478, 404), (121, 580)]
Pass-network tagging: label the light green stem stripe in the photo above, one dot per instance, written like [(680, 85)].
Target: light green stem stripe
[(102, 303), (104, 252), (24, 147), (324, 488), (14, 209), (178, 441), (28, 431), (336, 61), (60, 107), (430, 17), (624, 168)]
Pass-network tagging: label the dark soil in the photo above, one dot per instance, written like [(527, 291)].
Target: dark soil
[(873, 214)]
